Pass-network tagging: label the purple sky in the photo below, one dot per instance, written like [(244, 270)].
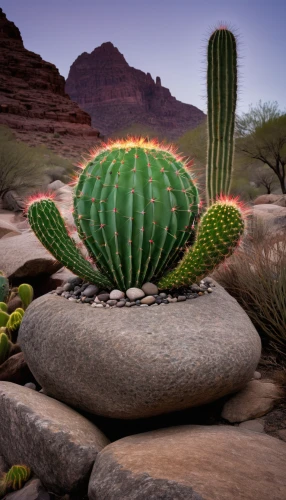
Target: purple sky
[(165, 37)]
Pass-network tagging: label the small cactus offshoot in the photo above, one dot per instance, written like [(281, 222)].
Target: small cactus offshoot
[(3, 307), (26, 294), (4, 318), (15, 320), (15, 478), (4, 347)]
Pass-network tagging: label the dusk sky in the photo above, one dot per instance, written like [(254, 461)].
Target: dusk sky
[(165, 37)]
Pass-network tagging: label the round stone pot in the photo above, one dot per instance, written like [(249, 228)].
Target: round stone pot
[(139, 362)]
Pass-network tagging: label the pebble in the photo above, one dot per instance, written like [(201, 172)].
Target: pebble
[(75, 281), (135, 293), (148, 300), (207, 281), (67, 287), (171, 300), (257, 375), (182, 298), (30, 385), (103, 296), (111, 302), (116, 295), (150, 289), (88, 294), (90, 291), (121, 303)]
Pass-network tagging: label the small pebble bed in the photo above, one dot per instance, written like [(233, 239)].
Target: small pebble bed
[(76, 290)]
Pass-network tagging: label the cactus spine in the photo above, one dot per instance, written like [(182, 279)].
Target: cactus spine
[(222, 95)]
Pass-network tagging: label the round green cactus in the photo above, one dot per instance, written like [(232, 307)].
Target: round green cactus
[(134, 206), (15, 478)]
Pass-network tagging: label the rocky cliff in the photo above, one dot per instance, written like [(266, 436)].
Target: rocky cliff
[(33, 101), (118, 96)]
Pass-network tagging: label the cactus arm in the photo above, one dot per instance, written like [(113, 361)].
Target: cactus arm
[(49, 227), (222, 96), (218, 235), (14, 478)]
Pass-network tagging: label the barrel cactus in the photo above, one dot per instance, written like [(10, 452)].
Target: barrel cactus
[(136, 203)]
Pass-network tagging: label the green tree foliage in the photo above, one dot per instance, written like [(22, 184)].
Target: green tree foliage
[(257, 116), (267, 144)]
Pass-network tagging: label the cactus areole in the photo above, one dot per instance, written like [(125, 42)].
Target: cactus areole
[(134, 207)]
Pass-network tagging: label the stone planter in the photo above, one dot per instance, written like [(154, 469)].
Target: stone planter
[(138, 362)]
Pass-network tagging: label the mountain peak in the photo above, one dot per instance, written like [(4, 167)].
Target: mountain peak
[(117, 95), (8, 30)]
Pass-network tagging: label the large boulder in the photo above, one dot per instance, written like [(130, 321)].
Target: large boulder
[(24, 255), (58, 444), (137, 362), (275, 199), (191, 463), (271, 215)]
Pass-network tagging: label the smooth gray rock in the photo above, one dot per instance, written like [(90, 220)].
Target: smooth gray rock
[(58, 444), (135, 293), (191, 463), (198, 351), (150, 289), (33, 490), (24, 255)]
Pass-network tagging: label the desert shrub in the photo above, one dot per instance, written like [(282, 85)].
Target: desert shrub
[(256, 276), (28, 169)]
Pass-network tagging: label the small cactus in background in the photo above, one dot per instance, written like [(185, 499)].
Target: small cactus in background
[(26, 294), (4, 318), (3, 307), (15, 478), (136, 202), (222, 96), (4, 347), (15, 320), (4, 287)]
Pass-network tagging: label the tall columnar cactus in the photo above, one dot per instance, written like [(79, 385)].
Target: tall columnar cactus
[(136, 202), (222, 95), (4, 287)]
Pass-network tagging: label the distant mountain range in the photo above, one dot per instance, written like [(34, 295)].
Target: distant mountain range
[(103, 96), (118, 97), (33, 101)]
